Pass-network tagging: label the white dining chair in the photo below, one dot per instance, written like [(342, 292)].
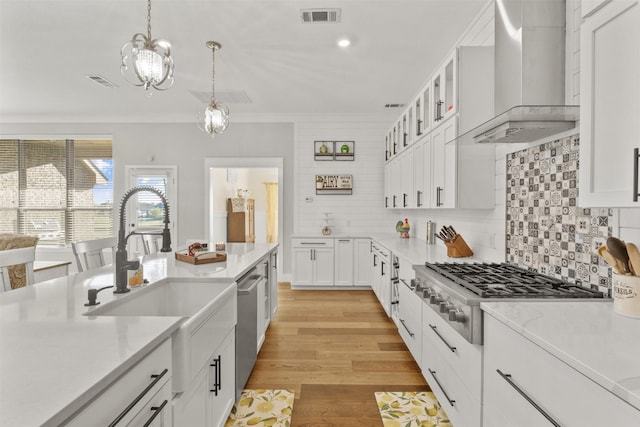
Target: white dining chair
[(90, 253), (12, 257), (151, 243)]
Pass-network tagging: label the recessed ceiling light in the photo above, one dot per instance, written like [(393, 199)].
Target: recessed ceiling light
[(344, 42)]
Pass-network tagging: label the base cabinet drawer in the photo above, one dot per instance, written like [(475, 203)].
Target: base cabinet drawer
[(525, 386), (461, 407), (141, 395)]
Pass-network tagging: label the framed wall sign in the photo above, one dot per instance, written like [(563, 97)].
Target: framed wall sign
[(334, 184)]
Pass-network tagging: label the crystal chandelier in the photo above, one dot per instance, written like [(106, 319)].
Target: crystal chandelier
[(147, 62), (216, 116)]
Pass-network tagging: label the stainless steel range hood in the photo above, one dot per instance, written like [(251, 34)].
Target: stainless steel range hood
[(529, 83)]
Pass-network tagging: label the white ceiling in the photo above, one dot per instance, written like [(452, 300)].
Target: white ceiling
[(288, 69)]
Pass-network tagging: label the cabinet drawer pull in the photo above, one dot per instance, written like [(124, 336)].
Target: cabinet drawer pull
[(217, 380), (313, 243), (433, 373), (411, 334), (507, 378), (156, 379), (156, 411), (434, 329), (636, 160)]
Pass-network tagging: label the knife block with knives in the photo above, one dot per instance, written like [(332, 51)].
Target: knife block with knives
[(456, 246)]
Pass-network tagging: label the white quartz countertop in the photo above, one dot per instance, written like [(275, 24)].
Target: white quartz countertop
[(414, 250), (53, 359), (588, 336)]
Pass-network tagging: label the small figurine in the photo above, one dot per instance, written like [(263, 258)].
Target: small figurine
[(403, 228)]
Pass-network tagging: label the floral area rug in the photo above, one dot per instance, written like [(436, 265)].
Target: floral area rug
[(411, 409), (262, 408)]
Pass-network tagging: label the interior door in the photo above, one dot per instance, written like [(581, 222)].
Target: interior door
[(145, 212)]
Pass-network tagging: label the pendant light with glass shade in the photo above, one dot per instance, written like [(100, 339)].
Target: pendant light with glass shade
[(216, 116), (147, 62)]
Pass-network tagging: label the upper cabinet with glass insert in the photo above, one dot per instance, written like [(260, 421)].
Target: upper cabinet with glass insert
[(444, 98)]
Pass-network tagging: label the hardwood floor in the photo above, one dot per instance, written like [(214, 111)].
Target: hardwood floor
[(334, 349)]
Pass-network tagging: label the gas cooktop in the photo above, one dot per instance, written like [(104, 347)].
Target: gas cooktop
[(502, 280)]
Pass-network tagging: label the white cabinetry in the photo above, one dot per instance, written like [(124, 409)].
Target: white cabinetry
[(207, 390), (443, 164), (454, 172), (142, 395), (453, 368), (344, 258), (409, 312), (313, 262), (210, 396), (422, 172), (272, 279), (526, 386), (610, 106), (328, 261), (361, 258), (587, 7), (381, 272)]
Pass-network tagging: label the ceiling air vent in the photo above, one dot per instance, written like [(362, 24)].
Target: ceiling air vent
[(101, 81), (393, 105), (320, 15)]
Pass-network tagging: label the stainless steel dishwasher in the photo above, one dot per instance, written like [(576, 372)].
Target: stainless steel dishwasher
[(247, 327)]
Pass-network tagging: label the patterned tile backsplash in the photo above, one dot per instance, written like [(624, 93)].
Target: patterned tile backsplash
[(546, 230)]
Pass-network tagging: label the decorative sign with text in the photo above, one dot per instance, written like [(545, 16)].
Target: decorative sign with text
[(334, 184)]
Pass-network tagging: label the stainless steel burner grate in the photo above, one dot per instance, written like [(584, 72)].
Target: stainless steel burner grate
[(507, 281)]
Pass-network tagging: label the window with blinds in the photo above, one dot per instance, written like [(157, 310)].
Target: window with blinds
[(60, 190)]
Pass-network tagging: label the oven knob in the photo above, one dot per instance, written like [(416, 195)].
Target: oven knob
[(434, 298), (445, 306), (456, 315)]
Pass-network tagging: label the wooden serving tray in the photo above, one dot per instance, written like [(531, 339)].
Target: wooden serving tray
[(182, 256)]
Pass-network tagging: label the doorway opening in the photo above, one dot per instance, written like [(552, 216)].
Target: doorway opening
[(257, 179)]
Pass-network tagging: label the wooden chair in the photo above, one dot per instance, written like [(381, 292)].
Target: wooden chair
[(89, 254), (12, 257), (151, 243)]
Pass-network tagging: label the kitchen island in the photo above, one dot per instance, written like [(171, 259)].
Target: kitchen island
[(54, 359)]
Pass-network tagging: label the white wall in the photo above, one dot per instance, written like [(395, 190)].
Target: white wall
[(184, 145)]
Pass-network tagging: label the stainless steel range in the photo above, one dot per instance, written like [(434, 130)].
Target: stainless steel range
[(455, 290)]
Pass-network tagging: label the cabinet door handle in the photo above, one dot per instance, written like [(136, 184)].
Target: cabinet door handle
[(439, 110), (419, 130), (386, 201), (438, 190), (156, 379), (411, 334), (636, 160), (156, 411), (404, 141), (507, 378), (375, 260), (433, 328), (404, 200), (433, 373), (419, 198), (217, 372), (394, 201), (382, 269)]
